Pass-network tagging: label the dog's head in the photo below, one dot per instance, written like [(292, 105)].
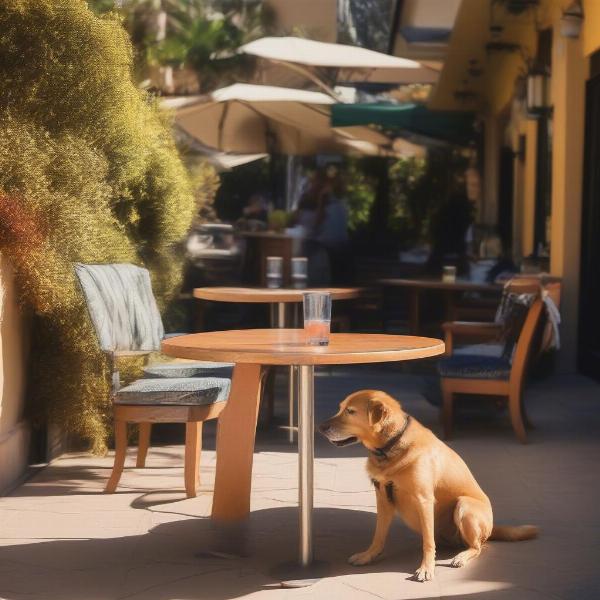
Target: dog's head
[(363, 417)]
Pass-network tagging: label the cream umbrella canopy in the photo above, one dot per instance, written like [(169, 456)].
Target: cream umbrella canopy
[(345, 63), (248, 119)]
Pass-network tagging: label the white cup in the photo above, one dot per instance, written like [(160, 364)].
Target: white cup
[(299, 272), (274, 271), (449, 274)]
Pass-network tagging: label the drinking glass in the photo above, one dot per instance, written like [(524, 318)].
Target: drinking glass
[(317, 317), (449, 274), (299, 272), (274, 271)]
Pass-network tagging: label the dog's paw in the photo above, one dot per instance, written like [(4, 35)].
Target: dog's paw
[(424, 573), (362, 558), (462, 558), (458, 562)]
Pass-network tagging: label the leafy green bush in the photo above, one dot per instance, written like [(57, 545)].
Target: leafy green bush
[(88, 172)]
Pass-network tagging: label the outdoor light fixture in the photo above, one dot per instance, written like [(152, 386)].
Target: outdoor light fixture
[(538, 101), (517, 7), (572, 20)]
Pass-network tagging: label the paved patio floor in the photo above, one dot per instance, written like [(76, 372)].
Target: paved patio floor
[(62, 539)]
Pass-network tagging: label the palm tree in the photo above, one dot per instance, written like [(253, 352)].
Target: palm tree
[(196, 34), (206, 41)]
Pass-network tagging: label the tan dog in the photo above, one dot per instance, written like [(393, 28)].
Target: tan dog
[(421, 478)]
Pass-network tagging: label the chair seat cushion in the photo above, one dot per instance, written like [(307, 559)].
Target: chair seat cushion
[(494, 350), (474, 366), (188, 369), (182, 391)]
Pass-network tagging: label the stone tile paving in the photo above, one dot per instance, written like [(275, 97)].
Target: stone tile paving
[(62, 539)]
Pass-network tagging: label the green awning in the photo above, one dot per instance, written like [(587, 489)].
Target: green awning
[(455, 127)]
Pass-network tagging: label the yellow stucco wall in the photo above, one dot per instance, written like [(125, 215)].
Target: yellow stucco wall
[(591, 26), (14, 430), (569, 73)]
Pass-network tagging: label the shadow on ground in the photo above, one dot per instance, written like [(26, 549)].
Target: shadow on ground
[(194, 559)]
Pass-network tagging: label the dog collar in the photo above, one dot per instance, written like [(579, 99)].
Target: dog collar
[(382, 452)]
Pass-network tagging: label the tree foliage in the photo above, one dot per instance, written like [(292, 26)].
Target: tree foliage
[(89, 173), (200, 35)]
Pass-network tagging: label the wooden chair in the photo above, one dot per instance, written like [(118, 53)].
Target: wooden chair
[(125, 317), (497, 375)]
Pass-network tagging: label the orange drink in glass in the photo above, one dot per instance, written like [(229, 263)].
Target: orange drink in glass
[(317, 318)]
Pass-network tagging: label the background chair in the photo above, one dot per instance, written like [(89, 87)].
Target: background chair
[(501, 370), (127, 322)]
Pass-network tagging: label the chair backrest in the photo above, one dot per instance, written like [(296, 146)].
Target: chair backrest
[(524, 346), (122, 306), (512, 312)]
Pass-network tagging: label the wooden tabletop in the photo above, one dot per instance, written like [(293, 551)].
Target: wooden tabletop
[(268, 295), (287, 347), (460, 285)]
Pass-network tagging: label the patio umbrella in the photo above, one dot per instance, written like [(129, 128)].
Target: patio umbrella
[(340, 62), (222, 161), (249, 119)]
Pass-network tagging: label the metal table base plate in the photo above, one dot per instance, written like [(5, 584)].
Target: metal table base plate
[(293, 575)]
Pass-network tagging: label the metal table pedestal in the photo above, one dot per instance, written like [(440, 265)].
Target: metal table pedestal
[(306, 571)]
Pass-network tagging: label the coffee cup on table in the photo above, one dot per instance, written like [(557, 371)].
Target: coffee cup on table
[(449, 274), (274, 271), (299, 272)]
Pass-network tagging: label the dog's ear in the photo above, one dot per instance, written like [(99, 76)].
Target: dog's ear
[(377, 412)]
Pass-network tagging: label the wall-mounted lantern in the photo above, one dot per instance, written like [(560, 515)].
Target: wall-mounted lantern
[(538, 91), (571, 21)]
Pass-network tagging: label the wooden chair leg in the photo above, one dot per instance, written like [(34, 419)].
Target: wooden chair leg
[(447, 406), (145, 430), (120, 452), (193, 447), (514, 407)]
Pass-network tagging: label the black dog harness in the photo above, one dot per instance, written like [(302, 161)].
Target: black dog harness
[(381, 453)]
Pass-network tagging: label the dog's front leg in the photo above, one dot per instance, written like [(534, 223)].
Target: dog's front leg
[(425, 508), (385, 513)]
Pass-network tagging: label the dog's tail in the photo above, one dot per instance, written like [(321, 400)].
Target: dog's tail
[(517, 533)]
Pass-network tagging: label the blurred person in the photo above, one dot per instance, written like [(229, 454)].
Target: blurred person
[(256, 208), (323, 216), (332, 224), (449, 233)]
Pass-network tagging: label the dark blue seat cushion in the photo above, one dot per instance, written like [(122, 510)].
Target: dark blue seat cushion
[(473, 366)]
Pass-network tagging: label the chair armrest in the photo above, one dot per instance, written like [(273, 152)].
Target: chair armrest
[(468, 329)]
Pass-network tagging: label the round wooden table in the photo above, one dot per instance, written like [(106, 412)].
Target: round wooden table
[(252, 350), (277, 298), (448, 288)]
